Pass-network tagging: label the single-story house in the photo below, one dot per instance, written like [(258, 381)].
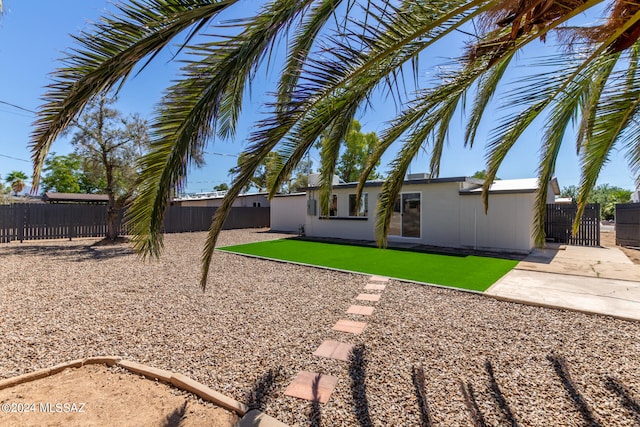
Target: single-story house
[(445, 212), (214, 199)]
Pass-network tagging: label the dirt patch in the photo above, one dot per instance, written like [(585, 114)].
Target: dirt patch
[(95, 395), (608, 238)]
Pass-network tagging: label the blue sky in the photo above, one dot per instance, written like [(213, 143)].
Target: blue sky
[(35, 33)]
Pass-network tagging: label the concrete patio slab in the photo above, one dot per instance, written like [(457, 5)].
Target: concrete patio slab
[(602, 262), (312, 386), (618, 298), (363, 310), (368, 297), (334, 350), (353, 327), (375, 287), (379, 279)]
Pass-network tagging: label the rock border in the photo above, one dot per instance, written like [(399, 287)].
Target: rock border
[(177, 380)]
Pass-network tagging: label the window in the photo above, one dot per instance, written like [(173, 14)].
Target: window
[(333, 205), (363, 209), (256, 204)]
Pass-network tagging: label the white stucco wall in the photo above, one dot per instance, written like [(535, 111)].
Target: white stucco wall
[(508, 224), (440, 214), (288, 213)]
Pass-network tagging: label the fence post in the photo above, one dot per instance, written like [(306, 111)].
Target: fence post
[(19, 221)]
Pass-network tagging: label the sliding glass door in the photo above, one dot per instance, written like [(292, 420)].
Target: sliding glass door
[(405, 219)]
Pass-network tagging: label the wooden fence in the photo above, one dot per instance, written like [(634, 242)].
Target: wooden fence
[(628, 224), (559, 222), (66, 221)]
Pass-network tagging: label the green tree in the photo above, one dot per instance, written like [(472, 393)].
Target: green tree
[(569, 191), (264, 173), (607, 196), (357, 148), (604, 194), (110, 146), (300, 177), (16, 180), (331, 72), (221, 187), (62, 174)]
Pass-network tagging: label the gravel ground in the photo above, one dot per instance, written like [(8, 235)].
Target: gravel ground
[(428, 356)]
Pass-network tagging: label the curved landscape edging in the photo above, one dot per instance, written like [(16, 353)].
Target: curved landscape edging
[(177, 380)]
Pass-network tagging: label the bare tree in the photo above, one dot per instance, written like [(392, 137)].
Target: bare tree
[(110, 145)]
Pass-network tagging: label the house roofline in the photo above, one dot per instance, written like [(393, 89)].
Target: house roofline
[(475, 192), (408, 182)]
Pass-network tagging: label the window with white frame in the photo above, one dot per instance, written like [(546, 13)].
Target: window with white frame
[(363, 209)]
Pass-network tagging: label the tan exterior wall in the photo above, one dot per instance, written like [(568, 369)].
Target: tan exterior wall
[(288, 213)]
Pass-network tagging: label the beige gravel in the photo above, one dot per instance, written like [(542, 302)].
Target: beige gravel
[(260, 321)]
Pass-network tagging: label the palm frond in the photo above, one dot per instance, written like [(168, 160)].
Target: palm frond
[(445, 114), (237, 59), (486, 88), (197, 107), (540, 96), (330, 153), (106, 55), (617, 112), (301, 46), (567, 105), (393, 184)]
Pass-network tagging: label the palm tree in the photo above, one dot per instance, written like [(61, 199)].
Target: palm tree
[(339, 54), (16, 180)]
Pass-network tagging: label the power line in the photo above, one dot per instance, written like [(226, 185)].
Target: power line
[(18, 107), (15, 158)]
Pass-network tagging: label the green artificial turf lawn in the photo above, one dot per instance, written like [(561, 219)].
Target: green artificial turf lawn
[(466, 272)]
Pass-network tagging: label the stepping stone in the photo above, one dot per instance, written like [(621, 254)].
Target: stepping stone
[(374, 287), (350, 326), (312, 386), (334, 350), (378, 279), (360, 309), (368, 297)]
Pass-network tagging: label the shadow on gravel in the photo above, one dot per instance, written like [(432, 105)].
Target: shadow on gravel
[(477, 417), (417, 376), (499, 397), (560, 366), (263, 387), (630, 404), (80, 252), (175, 419), (315, 414), (358, 373)]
